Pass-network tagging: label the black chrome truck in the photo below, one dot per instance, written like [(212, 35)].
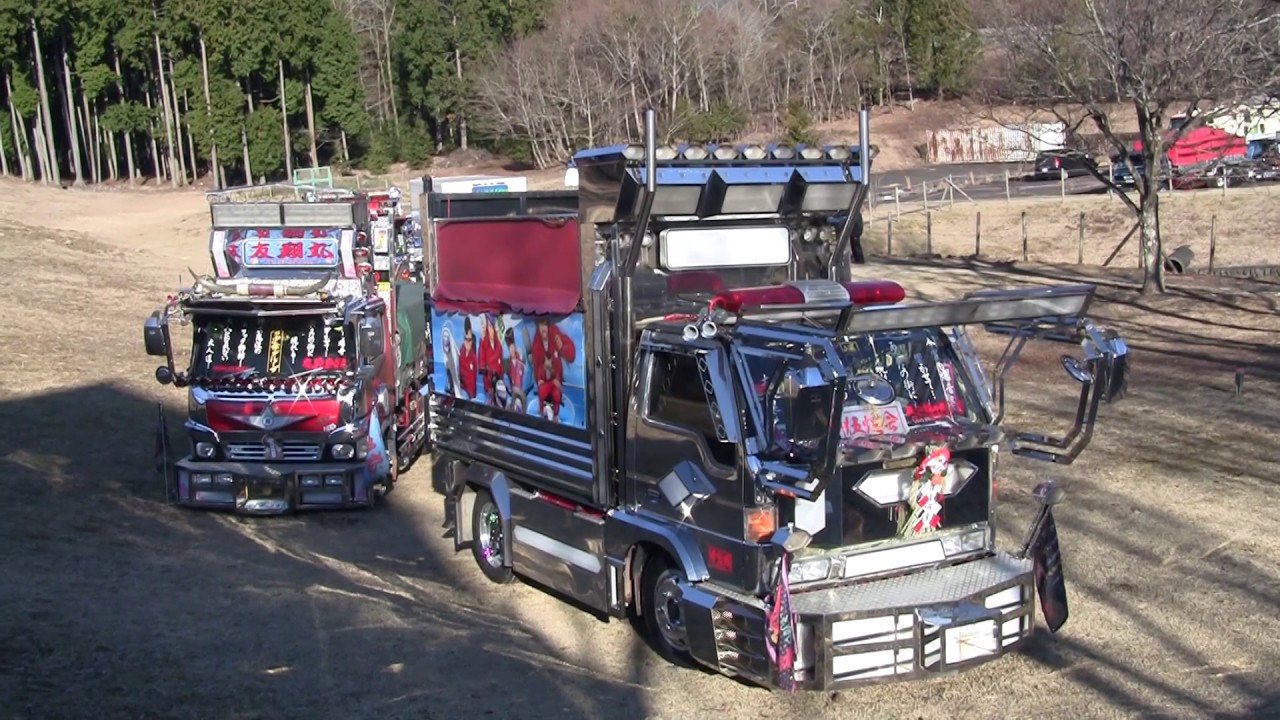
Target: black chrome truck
[(306, 387), (670, 400)]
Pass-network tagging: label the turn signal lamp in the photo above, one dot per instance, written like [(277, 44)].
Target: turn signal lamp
[(760, 523), (871, 292)]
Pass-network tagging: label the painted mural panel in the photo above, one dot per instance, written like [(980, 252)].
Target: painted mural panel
[(530, 365)]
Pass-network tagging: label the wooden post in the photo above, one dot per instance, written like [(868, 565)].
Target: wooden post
[(1008, 197), (924, 193), (928, 231), (888, 238), (977, 234), (1213, 239), (897, 202), (1062, 174), (1080, 242), (1024, 236)]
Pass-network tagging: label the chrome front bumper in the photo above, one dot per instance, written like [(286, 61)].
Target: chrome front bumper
[(269, 488), (923, 624)]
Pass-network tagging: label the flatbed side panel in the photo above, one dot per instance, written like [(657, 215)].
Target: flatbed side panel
[(561, 548), (551, 456)]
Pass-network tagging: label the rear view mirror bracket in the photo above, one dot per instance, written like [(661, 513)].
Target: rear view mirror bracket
[(1103, 377)]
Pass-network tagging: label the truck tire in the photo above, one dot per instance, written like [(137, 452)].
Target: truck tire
[(660, 606), (487, 539)]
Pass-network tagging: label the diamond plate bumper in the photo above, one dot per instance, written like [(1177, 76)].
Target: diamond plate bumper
[(934, 621)]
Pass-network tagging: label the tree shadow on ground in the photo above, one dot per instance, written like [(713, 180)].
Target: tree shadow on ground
[(118, 605)]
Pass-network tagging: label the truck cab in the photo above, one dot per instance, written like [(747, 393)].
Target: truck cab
[(303, 383), (784, 472)]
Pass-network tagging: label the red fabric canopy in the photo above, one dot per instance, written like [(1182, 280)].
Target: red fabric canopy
[(1203, 144), (524, 265)]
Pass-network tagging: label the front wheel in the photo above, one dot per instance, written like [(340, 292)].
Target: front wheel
[(487, 539), (662, 586)]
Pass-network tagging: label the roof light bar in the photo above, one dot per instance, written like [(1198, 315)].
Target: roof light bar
[(816, 294), (701, 181)]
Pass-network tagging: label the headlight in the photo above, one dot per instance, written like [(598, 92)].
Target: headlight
[(206, 450), (224, 478), (310, 480), (810, 570), (202, 478), (342, 451), (334, 480), (968, 542)]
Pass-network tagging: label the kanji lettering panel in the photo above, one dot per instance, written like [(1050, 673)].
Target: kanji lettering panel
[(285, 247)]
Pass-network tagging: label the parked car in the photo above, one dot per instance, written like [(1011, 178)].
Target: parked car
[(1050, 164), (1122, 178)]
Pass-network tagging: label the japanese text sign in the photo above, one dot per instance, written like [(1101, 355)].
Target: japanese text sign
[(285, 247)]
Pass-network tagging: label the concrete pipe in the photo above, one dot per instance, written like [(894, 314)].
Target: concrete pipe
[(1179, 260)]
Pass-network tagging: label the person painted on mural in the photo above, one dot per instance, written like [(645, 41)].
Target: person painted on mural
[(490, 358), (467, 363), (551, 350), (515, 372)]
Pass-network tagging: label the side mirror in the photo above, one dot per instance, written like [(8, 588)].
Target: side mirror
[(164, 375), (155, 335), (370, 331), (1117, 378), (1077, 370)]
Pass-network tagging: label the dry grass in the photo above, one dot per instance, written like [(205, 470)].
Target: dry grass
[(1246, 223), (114, 605)]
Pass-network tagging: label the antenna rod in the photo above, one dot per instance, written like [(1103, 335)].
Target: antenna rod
[(838, 268), (650, 189)]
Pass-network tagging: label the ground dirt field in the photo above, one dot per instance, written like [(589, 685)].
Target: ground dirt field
[(114, 605)]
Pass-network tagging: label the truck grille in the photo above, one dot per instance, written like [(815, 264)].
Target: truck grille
[(292, 451)]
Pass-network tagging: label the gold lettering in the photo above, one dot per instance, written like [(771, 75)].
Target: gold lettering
[(276, 351)]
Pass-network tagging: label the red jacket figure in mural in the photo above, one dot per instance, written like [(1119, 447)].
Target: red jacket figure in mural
[(467, 366), (551, 350), (490, 358)]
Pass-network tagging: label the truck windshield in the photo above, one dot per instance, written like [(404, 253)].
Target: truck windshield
[(922, 385), (232, 347), (924, 372)]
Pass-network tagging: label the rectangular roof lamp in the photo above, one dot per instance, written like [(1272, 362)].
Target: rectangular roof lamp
[(702, 248)]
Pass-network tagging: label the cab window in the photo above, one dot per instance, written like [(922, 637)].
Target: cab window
[(678, 395)]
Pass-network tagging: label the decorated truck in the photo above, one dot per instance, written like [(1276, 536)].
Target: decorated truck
[(306, 388), (674, 403)]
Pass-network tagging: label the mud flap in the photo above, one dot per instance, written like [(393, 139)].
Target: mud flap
[(1051, 584), (162, 455)]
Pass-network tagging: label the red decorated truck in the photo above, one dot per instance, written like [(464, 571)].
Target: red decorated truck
[(305, 386)]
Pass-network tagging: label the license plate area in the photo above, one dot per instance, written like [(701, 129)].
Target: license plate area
[(954, 637)]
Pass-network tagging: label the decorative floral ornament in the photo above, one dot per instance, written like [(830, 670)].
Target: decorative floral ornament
[(925, 498)]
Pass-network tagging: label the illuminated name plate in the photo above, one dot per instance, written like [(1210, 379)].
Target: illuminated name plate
[(285, 247), (693, 248)]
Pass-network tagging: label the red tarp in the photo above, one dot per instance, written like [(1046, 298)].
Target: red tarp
[(524, 265), (1203, 144)]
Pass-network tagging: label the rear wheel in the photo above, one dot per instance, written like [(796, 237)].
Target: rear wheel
[(487, 539), (661, 585)]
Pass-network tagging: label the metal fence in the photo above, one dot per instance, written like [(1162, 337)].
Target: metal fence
[(1222, 232)]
